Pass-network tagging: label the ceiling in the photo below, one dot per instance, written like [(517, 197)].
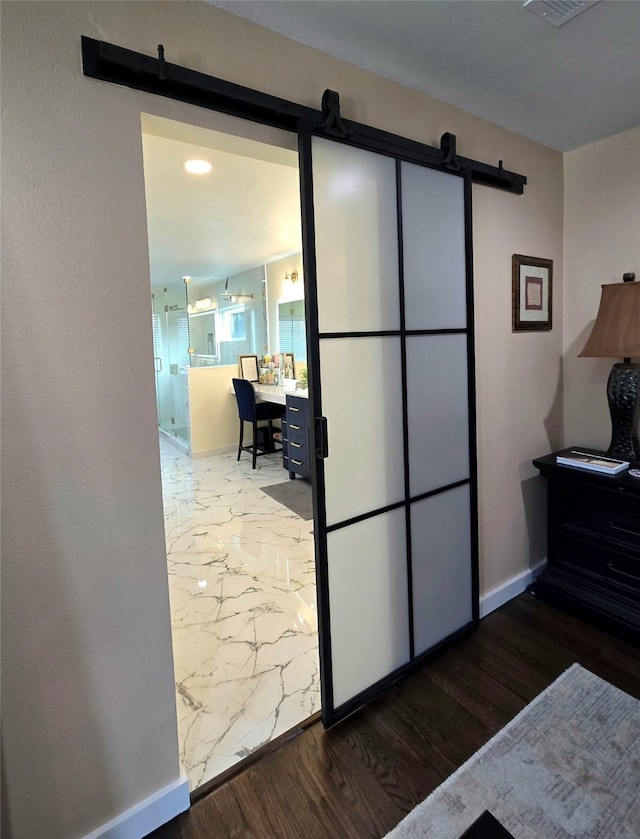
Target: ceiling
[(244, 213), (564, 87)]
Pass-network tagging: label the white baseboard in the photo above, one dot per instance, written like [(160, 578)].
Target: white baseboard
[(196, 455), (149, 814), (501, 594)]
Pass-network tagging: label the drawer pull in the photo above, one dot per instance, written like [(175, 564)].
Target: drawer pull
[(296, 445), (297, 427), (297, 462), (617, 570), (291, 408), (623, 529)]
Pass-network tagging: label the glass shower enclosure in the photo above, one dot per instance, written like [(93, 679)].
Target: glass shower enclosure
[(203, 322), (172, 359)]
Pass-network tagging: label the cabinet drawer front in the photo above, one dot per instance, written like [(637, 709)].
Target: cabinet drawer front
[(297, 417), (620, 522), (298, 448), (299, 456), (613, 566), (297, 406), (297, 464)]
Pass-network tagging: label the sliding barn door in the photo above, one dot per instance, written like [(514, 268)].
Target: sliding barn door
[(387, 256)]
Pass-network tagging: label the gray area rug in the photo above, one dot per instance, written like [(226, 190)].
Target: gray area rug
[(295, 494), (567, 766)]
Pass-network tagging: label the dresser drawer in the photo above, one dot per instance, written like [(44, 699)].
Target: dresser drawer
[(297, 430), (612, 566), (299, 454), (593, 546), (298, 465), (298, 450), (616, 519), (297, 405), (297, 415)]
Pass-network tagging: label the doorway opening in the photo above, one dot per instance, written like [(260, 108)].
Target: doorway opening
[(227, 280)]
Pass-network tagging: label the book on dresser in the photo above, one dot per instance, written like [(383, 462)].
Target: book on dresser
[(593, 462)]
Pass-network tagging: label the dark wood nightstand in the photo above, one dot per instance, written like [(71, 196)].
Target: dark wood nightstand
[(593, 544)]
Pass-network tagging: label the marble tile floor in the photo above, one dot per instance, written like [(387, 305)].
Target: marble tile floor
[(243, 608)]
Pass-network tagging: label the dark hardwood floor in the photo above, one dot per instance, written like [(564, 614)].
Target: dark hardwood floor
[(360, 779)]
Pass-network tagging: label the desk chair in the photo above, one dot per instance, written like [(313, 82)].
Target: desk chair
[(254, 412)]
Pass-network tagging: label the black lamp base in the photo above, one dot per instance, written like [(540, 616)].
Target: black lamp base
[(623, 392)]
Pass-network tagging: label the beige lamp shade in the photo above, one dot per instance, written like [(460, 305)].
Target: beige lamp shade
[(616, 332)]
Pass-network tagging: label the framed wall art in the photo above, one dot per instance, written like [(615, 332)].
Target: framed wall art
[(531, 289), (248, 367)]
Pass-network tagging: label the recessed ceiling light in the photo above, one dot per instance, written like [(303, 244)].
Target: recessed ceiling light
[(197, 167)]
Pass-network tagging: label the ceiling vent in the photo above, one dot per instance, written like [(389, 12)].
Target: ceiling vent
[(558, 12)]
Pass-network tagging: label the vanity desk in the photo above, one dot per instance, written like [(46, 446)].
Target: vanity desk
[(296, 426), (276, 393), (593, 545)]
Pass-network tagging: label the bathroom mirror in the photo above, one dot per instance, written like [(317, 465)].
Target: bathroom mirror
[(227, 317), (291, 329)]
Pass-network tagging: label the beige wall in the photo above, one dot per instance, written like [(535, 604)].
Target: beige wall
[(89, 713), (213, 410), (519, 376), (602, 242)]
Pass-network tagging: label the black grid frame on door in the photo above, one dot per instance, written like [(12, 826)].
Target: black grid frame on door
[(332, 712)]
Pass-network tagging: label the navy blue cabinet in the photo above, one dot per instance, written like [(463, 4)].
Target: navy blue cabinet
[(296, 449)]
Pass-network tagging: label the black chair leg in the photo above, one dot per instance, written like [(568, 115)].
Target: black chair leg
[(241, 436), (255, 443), (271, 445)]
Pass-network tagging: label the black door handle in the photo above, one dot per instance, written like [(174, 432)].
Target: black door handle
[(321, 438)]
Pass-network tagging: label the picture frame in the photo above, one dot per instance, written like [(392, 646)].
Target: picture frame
[(288, 360), (248, 367), (531, 293)]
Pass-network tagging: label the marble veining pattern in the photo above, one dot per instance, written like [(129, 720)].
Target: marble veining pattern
[(243, 608)]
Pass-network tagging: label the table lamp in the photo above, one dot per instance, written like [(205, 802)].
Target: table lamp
[(616, 334)]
